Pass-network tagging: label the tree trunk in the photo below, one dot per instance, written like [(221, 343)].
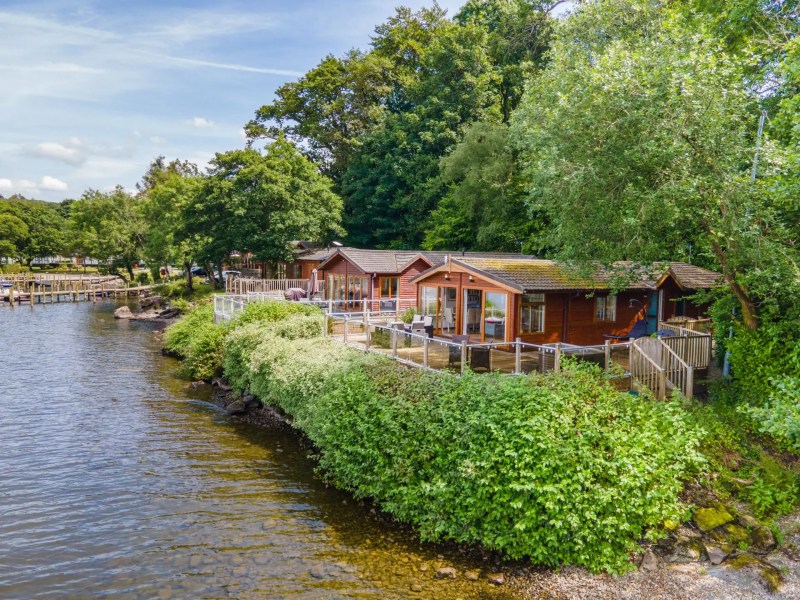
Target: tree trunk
[(219, 270), (749, 311), (129, 267), (210, 274), (187, 267)]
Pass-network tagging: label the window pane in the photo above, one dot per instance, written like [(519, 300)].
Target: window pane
[(532, 313), (494, 318)]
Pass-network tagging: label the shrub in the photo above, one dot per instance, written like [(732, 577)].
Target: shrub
[(198, 341), (178, 335), (757, 357), (780, 416), (560, 468), (274, 310)]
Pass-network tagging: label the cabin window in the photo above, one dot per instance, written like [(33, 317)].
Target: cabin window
[(605, 308), (390, 287), (336, 288), (428, 302), (494, 317), (358, 289), (532, 313)]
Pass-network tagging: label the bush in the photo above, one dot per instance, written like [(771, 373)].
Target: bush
[(560, 468), (757, 357), (274, 310), (198, 341), (780, 416)]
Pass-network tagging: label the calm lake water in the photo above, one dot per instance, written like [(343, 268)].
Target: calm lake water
[(119, 480)]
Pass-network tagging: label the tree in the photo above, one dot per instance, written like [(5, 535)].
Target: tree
[(166, 191), (259, 202), (45, 228), (108, 227), (12, 231), (484, 208), (639, 143)]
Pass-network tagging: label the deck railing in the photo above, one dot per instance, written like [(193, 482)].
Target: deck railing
[(246, 285)]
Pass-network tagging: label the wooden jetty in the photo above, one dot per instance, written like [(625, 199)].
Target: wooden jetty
[(51, 288)]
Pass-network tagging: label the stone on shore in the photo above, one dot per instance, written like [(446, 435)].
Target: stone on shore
[(711, 518), (497, 579), (446, 573), (649, 561), (236, 407), (123, 312)]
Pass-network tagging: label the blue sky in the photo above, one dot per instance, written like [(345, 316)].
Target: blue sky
[(91, 92)]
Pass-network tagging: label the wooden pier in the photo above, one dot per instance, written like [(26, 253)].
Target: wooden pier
[(51, 288)]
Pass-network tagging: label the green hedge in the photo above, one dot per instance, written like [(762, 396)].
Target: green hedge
[(559, 468)]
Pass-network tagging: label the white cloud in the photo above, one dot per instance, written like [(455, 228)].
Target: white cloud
[(6, 185), (202, 122), (70, 153), (232, 66), (52, 184)]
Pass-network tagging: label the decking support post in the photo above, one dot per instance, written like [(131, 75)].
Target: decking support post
[(518, 357), (346, 327), (690, 382), (425, 343), (369, 334), (557, 359), (607, 359), (394, 343), (324, 324), (330, 306), (463, 357)]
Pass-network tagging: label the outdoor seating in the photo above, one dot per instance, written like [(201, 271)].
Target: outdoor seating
[(417, 327), (427, 325)]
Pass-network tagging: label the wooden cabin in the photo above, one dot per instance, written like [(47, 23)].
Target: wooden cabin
[(383, 277), (539, 301)]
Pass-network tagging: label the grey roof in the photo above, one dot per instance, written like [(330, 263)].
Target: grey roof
[(547, 275), (395, 261)]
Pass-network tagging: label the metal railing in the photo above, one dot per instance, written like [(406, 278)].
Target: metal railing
[(246, 285), (227, 307)]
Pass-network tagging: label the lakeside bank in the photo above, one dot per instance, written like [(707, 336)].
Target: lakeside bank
[(427, 452)]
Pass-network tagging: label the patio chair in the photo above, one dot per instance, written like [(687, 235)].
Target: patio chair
[(447, 321), (480, 360), (417, 327), (427, 325), (639, 329)]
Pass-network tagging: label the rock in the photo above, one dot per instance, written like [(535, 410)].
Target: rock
[(423, 568), (711, 518), (236, 408), (169, 313), (415, 587), (220, 383), (715, 554), (250, 401), (446, 573), (152, 302), (123, 312), (763, 539), (748, 521), (687, 533), (649, 561), (688, 551), (497, 579), (737, 534), (472, 575)]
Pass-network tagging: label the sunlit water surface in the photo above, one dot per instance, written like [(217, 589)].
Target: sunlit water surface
[(117, 479)]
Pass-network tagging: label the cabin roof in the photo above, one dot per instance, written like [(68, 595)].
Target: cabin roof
[(525, 275), (397, 261)]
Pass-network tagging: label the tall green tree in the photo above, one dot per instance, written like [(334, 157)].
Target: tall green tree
[(44, 235), (639, 144), (259, 202), (12, 231), (109, 227)]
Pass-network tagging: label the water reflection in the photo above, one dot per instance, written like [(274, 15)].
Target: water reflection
[(120, 480)]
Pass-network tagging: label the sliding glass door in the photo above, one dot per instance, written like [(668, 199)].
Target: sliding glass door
[(494, 317)]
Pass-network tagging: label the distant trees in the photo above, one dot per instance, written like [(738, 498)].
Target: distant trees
[(30, 228)]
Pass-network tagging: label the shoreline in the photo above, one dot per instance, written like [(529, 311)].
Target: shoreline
[(752, 577)]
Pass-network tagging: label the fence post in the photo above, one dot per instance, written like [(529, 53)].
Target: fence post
[(608, 355), (518, 357), (557, 359), (369, 334), (346, 327), (662, 383), (425, 351), (330, 306), (365, 307), (463, 357), (690, 382), (324, 324), (394, 343)]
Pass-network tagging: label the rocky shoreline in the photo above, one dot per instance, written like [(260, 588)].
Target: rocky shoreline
[(151, 308), (722, 553)]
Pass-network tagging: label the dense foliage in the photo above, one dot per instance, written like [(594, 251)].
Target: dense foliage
[(560, 468)]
